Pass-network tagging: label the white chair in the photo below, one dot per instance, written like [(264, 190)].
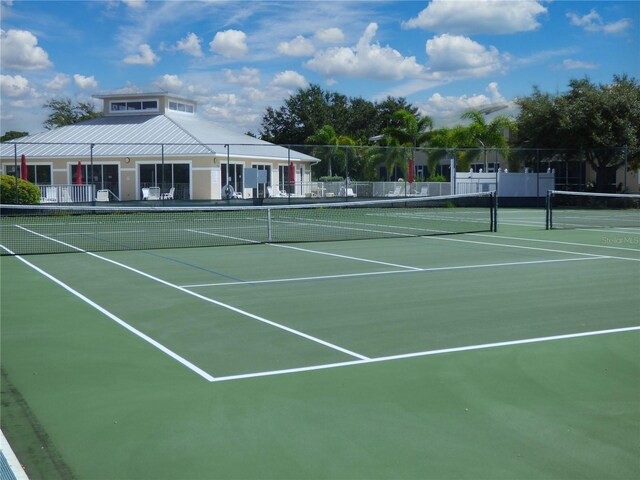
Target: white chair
[(168, 195), (50, 195), (154, 193), (65, 195), (275, 192), (424, 191), (102, 196), (396, 192), (346, 193), (145, 194)]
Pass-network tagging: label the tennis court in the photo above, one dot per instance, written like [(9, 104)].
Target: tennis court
[(508, 354)]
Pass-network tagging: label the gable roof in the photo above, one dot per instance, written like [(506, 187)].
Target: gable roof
[(143, 135)]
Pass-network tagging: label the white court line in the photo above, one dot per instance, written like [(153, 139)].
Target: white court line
[(573, 244), (428, 353), (210, 300), (522, 247), (394, 272), (347, 257), (211, 234), (116, 319)]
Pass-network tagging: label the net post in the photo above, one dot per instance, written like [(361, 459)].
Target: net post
[(548, 224), (269, 230), (494, 211)]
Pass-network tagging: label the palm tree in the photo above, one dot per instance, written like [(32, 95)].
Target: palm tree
[(488, 135), (412, 131), (447, 140), (328, 144), (326, 140)]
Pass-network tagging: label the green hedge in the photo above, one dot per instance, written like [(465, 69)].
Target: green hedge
[(28, 193)]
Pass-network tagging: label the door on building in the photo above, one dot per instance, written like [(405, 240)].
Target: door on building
[(167, 176)]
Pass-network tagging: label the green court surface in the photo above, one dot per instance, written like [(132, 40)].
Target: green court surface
[(506, 355)]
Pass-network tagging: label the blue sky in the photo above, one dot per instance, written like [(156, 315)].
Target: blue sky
[(238, 58)]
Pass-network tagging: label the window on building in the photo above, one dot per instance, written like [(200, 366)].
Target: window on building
[(287, 178), (233, 177), (260, 191), (181, 106), (38, 174), (134, 105), (166, 176), (104, 177)]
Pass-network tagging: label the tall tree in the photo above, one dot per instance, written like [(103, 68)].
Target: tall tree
[(12, 135), (446, 141), (310, 109), (328, 147), (488, 135), (591, 122), (65, 112), (410, 130)]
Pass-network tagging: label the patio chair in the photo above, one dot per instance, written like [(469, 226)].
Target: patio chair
[(346, 193), (50, 195), (154, 193), (397, 191), (275, 192), (168, 195), (102, 196), (151, 193)]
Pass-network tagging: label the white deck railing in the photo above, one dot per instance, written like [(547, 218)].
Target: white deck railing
[(66, 193)]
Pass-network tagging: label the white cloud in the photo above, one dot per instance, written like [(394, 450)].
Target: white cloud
[(190, 45), (19, 50), (134, 3), (487, 16), (298, 47), (462, 57), (169, 83), (14, 86), (85, 83), (446, 110), (593, 22), (230, 43), (244, 76), (330, 35), (570, 64), (58, 82), (145, 57), (254, 94), (289, 79), (198, 89), (227, 99), (366, 59)]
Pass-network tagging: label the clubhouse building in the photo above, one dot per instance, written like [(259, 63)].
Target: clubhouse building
[(156, 141)]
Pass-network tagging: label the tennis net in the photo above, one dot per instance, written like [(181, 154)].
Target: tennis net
[(42, 229), (592, 210)]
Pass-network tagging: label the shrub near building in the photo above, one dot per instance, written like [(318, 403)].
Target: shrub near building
[(28, 193)]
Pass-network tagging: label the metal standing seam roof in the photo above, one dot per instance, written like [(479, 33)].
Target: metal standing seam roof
[(142, 135)]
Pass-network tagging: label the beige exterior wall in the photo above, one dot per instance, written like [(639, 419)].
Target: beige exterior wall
[(205, 173)]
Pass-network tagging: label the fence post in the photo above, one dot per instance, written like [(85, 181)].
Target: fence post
[(15, 169)]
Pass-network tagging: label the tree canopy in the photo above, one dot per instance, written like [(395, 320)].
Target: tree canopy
[(308, 110), (65, 112), (590, 121), (12, 135)]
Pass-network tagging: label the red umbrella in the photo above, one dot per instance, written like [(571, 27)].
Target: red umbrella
[(292, 173), (79, 177), (410, 171), (24, 175)]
